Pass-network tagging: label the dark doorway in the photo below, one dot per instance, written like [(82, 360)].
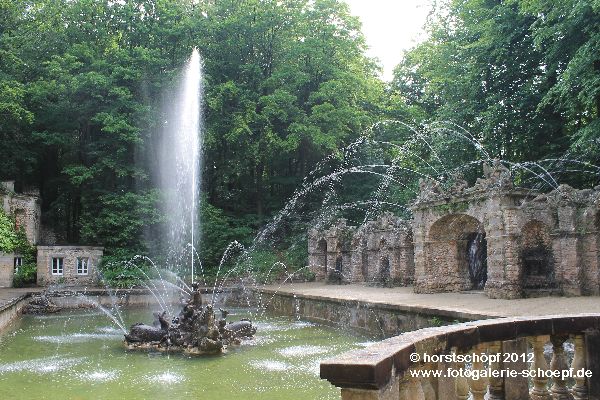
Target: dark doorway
[(385, 278), (537, 260), (336, 274), (538, 271), (338, 265), (322, 250)]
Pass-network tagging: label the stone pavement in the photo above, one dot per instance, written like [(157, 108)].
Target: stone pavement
[(474, 304), (465, 304), (8, 295)]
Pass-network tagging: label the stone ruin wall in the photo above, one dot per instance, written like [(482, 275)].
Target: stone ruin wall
[(379, 252), (536, 244), (26, 209)]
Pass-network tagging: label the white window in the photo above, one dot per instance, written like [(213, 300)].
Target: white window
[(82, 265), (57, 265), (18, 263)]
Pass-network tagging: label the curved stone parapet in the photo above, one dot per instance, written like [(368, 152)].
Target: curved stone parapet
[(390, 368)]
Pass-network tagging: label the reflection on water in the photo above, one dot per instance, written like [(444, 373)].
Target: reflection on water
[(79, 355)]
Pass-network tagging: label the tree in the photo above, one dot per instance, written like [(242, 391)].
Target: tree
[(567, 33)]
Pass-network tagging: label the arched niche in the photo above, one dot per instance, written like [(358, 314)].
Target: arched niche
[(457, 248), (536, 256), (322, 254)]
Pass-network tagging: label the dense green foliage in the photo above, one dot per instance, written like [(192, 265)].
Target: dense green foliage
[(83, 83), (287, 84), (522, 76), (13, 240)]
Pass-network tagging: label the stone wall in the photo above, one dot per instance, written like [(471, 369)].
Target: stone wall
[(535, 244), (24, 207), (379, 252), (370, 318), (386, 251), (11, 310), (509, 241), (7, 268), (70, 254)]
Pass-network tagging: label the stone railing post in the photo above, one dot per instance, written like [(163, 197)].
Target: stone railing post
[(539, 390), (461, 383), (558, 364), (478, 386), (428, 383), (516, 388), (580, 389), (592, 362), (410, 388), (496, 383), (389, 392)]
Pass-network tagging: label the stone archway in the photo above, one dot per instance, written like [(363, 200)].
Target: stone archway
[(385, 276), (536, 256), (322, 255), (383, 268), (456, 253)]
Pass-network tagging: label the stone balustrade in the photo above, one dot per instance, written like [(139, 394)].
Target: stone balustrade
[(514, 359)]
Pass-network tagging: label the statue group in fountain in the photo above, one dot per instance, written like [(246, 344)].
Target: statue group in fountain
[(194, 331)]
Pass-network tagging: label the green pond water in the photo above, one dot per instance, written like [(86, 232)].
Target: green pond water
[(80, 355)]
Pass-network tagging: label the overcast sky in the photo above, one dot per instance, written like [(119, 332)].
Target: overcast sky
[(390, 27)]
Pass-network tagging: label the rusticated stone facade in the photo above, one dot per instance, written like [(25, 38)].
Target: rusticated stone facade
[(329, 253), (509, 241), (70, 270), (531, 243)]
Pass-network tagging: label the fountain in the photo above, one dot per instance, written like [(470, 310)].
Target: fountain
[(194, 331), (178, 167), (287, 367)]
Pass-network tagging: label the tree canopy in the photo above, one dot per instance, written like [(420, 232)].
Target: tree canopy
[(287, 84)]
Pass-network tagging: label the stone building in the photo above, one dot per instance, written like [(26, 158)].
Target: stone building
[(76, 260), (510, 242), (69, 265)]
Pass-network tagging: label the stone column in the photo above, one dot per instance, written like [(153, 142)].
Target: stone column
[(567, 266), (356, 252), (502, 234), (420, 228), (390, 392), (592, 362), (516, 388)]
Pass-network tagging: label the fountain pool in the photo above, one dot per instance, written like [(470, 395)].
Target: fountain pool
[(79, 355)]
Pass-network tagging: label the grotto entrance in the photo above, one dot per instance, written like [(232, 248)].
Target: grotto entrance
[(456, 253), (477, 259)]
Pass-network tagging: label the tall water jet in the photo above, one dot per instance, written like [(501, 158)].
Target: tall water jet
[(179, 166)]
